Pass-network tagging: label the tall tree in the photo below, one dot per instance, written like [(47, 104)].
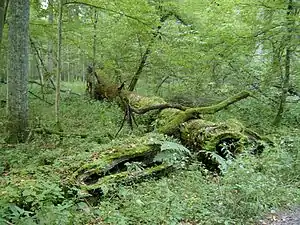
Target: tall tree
[(17, 92), (3, 9), (2, 6), (50, 42), (58, 75), (287, 63)]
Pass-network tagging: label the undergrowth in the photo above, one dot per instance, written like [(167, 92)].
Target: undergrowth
[(34, 176)]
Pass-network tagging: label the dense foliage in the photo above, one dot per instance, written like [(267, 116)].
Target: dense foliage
[(192, 52), (33, 186)]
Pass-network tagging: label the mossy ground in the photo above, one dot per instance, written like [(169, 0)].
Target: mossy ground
[(35, 176)]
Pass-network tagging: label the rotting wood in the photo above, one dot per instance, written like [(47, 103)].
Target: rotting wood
[(108, 166)]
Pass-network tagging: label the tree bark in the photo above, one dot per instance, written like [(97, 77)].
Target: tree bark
[(95, 39), (18, 71), (146, 54), (205, 139), (50, 42), (58, 75), (2, 7), (287, 72), (3, 12)]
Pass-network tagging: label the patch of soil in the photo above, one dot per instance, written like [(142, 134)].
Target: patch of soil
[(291, 217)]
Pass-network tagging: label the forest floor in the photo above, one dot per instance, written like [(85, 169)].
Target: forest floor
[(35, 188), (289, 217)]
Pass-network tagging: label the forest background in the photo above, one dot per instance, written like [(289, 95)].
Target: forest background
[(189, 52)]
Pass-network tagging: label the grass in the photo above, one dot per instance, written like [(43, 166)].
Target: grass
[(34, 176)]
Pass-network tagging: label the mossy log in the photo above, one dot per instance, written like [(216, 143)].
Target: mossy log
[(186, 124), (110, 166)]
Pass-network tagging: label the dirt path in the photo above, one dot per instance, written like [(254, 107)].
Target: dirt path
[(291, 217)]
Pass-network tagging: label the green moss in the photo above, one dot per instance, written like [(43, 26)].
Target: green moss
[(172, 123), (142, 102), (102, 162), (125, 176), (171, 127), (211, 144), (206, 135)]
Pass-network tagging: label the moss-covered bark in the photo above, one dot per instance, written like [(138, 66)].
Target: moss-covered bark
[(186, 124), (205, 135), (173, 122), (109, 166)]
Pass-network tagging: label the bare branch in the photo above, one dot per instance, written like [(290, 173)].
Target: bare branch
[(158, 107), (108, 10)]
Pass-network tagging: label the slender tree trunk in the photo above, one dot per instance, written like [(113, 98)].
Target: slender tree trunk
[(50, 42), (40, 73), (90, 77), (146, 54), (285, 88), (58, 75), (3, 12), (288, 53), (69, 71), (82, 68), (140, 68), (18, 64), (3, 9), (95, 39)]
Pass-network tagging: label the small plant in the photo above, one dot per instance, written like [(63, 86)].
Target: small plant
[(134, 166), (173, 154)]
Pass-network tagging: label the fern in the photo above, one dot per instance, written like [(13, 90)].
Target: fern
[(168, 145), (173, 154), (226, 150), (222, 163)]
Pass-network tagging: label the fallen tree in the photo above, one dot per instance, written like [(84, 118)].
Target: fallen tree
[(207, 141)]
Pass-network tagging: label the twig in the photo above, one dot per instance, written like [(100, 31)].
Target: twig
[(30, 92), (109, 10), (9, 223), (41, 61), (59, 133), (38, 97), (160, 107), (62, 90)]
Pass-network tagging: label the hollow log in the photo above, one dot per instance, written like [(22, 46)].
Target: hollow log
[(110, 166), (226, 139), (107, 167)]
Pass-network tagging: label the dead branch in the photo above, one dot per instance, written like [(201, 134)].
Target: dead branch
[(62, 90), (33, 94), (158, 107), (41, 61), (38, 97), (59, 133), (191, 113)]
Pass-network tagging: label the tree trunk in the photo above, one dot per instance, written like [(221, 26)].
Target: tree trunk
[(18, 71), (49, 75), (288, 53), (204, 139), (146, 54), (207, 141), (2, 7), (95, 39), (58, 75), (3, 12), (140, 68)]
